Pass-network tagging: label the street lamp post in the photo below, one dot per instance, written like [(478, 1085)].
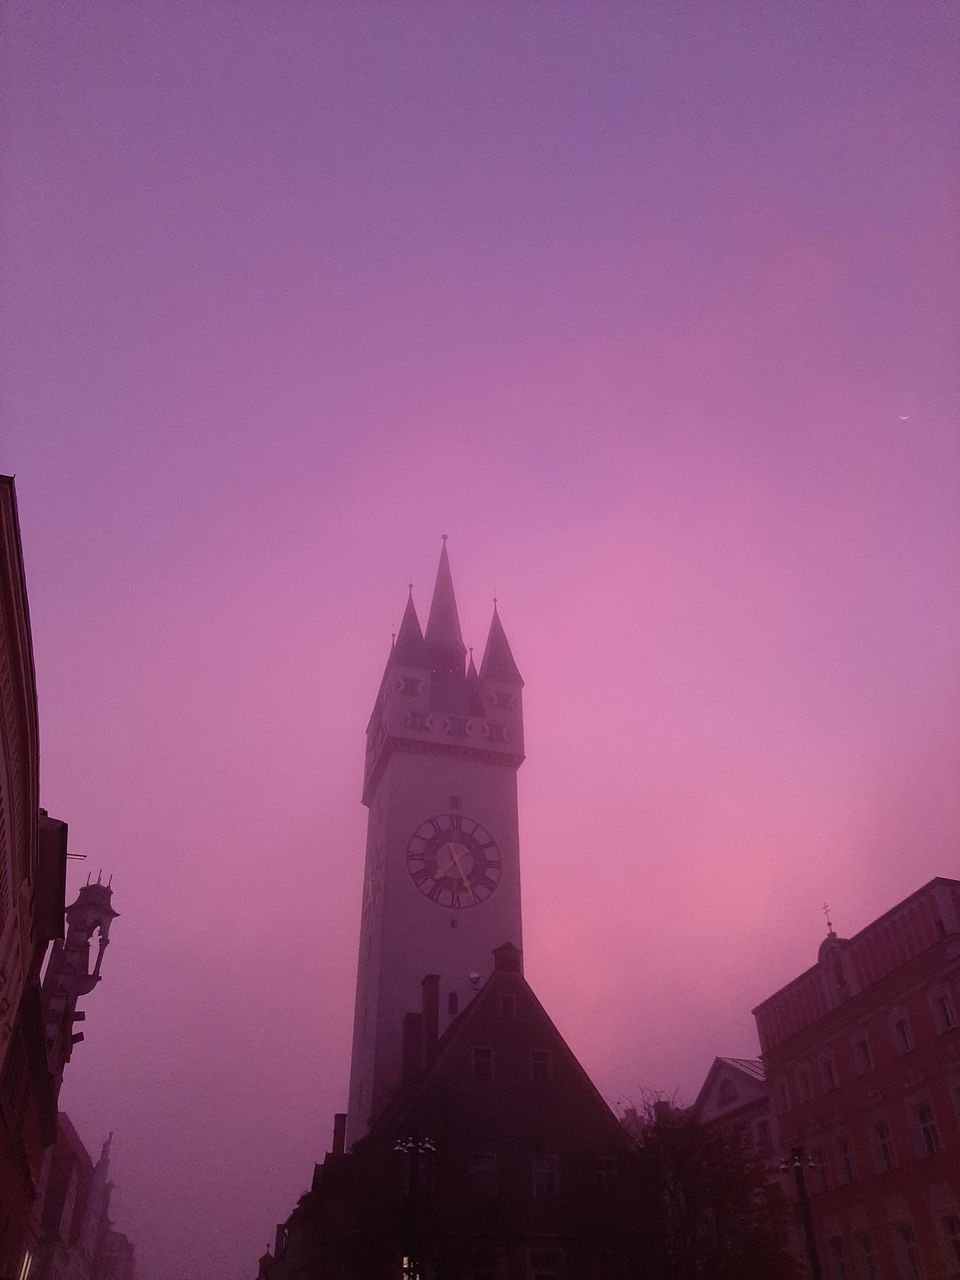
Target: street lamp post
[(799, 1163), (414, 1148)]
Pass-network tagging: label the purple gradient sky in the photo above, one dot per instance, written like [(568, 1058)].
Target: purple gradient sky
[(627, 299)]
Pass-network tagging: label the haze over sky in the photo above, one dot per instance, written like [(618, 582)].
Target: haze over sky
[(653, 309)]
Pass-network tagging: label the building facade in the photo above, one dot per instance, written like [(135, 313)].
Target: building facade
[(862, 1056), (33, 852), (496, 1160), (442, 872), (734, 1094), (75, 1237)]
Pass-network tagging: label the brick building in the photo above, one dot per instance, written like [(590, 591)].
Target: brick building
[(33, 852), (862, 1055)]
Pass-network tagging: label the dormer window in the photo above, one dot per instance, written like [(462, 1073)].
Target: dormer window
[(482, 1063), (726, 1094), (541, 1066)]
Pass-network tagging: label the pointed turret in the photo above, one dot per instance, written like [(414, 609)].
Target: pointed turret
[(409, 649), (443, 639), (498, 662)]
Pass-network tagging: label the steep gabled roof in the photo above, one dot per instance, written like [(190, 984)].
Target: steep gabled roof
[(572, 1100)]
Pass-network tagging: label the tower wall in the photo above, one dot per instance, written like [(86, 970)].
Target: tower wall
[(404, 935)]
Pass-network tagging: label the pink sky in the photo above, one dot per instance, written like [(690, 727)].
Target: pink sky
[(652, 309)]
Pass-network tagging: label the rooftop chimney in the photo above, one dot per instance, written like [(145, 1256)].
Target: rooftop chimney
[(431, 1014), (339, 1133)]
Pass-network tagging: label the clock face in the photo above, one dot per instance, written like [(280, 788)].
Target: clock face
[(453, 861)]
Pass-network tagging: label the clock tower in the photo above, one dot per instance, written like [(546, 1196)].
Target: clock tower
[(441, 885)]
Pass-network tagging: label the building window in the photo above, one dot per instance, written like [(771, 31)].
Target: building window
[(727, 1093), (482, 1062), (764, 1145), (902, 1038), (482, 1269), (951, 1230), (828, 1073), (820, 1180), (541, 1066), (926, 1136), (885, 1155), (862, 1057), (908, 1250), (546, 1177), (848, 1160), (868, 1257), (608, 1171), (483, 1172), (943, 1012), (838, 1258), (545, 1264)]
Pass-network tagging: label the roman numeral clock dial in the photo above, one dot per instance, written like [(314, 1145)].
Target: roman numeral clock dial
[(453, 861)]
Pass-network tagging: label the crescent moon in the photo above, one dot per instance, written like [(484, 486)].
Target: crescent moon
[(904, 417)]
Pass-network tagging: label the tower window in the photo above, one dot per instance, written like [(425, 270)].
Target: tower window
[(483, 1172), (482, 1062), (418, 720), (546, 1177), (458, 726), (504, 701), (410, 686)]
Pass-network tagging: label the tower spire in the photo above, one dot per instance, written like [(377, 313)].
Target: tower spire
[(443, 639), (498, 662), (408, 648)]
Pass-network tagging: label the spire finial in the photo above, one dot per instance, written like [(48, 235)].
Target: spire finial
[(443, 537), (826, 912)]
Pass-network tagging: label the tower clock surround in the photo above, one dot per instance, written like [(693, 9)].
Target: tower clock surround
[(442, 875)]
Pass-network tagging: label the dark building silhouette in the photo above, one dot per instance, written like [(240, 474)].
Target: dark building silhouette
[(75, 1237), (478, 1146), (70, 975), (497, 1158), (33, 852), (862, 1055)]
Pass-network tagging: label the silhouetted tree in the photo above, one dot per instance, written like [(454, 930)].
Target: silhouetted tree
[(708, 1209)]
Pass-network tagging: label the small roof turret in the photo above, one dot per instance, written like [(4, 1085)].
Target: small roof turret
[(443, 639), (498, 661), (409, 649)]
